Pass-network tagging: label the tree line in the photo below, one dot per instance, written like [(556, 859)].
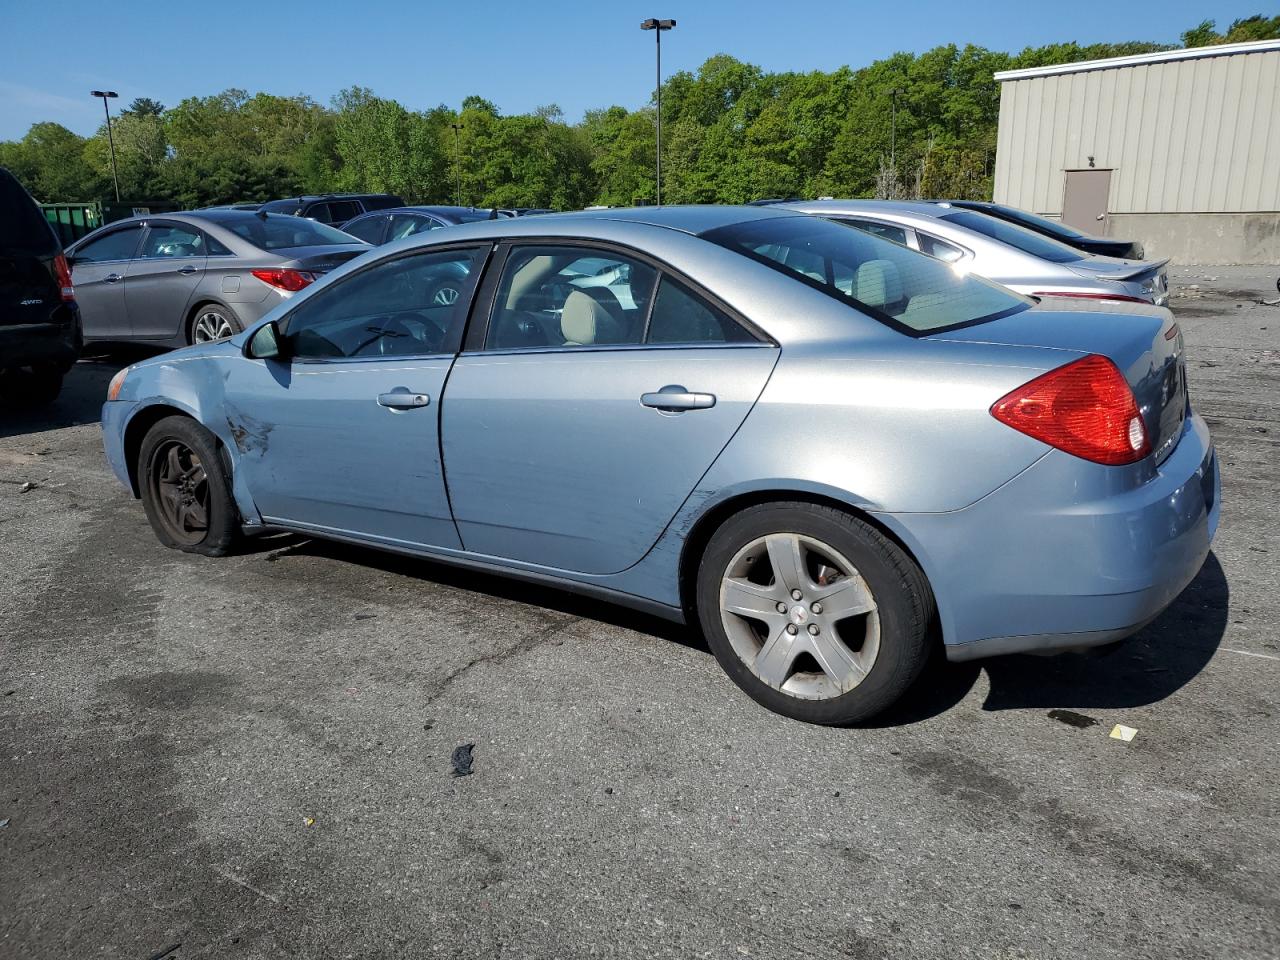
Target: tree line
[(908, 125)]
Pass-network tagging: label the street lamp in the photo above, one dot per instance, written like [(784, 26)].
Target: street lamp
[(457, 160), (657, 26), (109, 95)]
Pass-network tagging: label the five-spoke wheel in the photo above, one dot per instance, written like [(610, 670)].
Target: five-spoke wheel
[(185, 488), (812, 611)]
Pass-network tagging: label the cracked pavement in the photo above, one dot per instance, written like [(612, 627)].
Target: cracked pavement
[(250, 757)]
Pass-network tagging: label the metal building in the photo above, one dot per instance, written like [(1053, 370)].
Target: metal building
[(1179, 149)]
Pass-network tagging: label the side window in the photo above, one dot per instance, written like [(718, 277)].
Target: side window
[(167, 240), (408, 306), (886, 230), (215, 248), (946, 252), (407, 224), (318, 211), (368, 229), (680, 316), (117, 245), (340, 211), (570, 297)]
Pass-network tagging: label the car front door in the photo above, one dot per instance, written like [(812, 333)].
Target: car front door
[(602, 391), (163, 278), (98, 270), (341, 435)]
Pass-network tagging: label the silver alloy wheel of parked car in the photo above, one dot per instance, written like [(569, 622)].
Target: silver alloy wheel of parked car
[(211, 325), (806, 596)]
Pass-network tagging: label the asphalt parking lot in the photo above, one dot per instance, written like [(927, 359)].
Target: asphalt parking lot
[(251, 757)]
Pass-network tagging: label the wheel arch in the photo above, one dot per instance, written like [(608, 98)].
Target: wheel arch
[(714, 516), (146, 418)]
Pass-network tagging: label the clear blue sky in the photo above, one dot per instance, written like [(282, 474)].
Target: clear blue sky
[(518, 54)]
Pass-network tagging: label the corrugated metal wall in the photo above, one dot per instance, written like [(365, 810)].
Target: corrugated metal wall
[(1187, 136)]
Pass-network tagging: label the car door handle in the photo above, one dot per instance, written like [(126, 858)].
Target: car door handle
[(188, 269), (112, 278), (402, 398), (675, 397)]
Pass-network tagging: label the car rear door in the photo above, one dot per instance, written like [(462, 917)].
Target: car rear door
[(163, 277), (341, 435), (576, 425), (99, 266)]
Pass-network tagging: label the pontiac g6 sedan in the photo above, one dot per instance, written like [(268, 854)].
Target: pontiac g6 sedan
[(829, 451)]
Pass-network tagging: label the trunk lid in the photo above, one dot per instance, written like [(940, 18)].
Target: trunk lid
[(1143, 341), (321, 259)]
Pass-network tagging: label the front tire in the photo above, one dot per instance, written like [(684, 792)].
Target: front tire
[(185, 489), (813, 612)]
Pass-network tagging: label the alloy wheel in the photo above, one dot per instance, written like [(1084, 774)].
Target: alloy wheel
[(182, 491), (800, 616), (210, 326)]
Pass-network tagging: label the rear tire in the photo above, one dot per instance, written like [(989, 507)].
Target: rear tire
[(28, 388), (813, 612), (211, 322), (185, 489)]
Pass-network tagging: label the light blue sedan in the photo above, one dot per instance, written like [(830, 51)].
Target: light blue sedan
[(829, 451)]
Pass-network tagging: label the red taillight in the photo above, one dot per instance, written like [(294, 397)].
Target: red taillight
[(291, 280), (63, 273), (1089, 296), (1085, 408)]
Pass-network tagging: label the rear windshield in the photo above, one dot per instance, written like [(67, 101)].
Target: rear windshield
[(1033, 222), (907, 290), (1015, 236), (23, 228), (279, 232), (471, 216)]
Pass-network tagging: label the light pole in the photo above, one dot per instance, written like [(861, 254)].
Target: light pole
[(657, 26), (457, 160), (109, 95)]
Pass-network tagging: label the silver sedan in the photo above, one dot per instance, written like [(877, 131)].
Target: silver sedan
[(1020, 259), (183, 278)]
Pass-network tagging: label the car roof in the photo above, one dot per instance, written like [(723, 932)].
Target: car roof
[(694, 219), (441, 209), (923, 208)]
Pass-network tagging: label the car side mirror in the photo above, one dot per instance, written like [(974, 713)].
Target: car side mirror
[(267, 343)]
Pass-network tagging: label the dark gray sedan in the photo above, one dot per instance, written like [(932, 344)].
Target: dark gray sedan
[(183, 278)]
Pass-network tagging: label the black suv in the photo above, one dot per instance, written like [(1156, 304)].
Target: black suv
[(40, 333), (333, 208)]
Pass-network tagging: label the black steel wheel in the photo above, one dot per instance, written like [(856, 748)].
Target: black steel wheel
[(185, 488)]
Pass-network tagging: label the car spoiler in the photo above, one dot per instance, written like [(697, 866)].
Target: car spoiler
[(1148, 266)]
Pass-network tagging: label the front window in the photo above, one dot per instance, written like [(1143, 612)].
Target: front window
[(407, 224), (408, 306), (907, 290), (1015, 236), (368, 229), (117, 245), (282, 232)]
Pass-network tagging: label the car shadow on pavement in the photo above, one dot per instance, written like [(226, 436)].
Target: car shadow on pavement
[(1148, 667), (507, 588), (83, 392)]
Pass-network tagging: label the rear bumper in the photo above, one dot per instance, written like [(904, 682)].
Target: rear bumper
[(28, 343), (1068, 554)]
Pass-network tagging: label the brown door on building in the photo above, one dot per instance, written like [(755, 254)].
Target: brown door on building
[(1084, 204)]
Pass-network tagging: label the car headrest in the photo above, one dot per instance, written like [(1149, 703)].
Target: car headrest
[(585, 320), (877, 283)]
